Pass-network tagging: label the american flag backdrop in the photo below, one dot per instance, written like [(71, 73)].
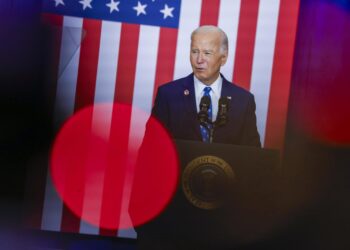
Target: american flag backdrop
[(122, 50)]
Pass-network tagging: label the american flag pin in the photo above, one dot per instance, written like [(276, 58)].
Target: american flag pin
[(229, 97), (186, 92)]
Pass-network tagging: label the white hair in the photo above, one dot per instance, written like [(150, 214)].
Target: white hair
[(212, 29)]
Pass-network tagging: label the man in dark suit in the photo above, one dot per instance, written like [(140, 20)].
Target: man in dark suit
[(177, 103)]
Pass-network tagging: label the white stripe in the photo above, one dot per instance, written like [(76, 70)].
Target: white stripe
[(106, 76), (101, 121), (93, 190), (87, 228), (94, 177), (263, 59), (107, 62), (52, 209), (144, 80), (68, 69), (228, 22), (142, 102), (127, 233), (64, 107), (189, 20), (146, 67)]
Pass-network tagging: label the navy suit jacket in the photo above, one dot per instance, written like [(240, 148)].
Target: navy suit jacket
[(175, 107)]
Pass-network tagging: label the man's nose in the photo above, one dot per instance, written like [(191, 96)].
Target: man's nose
[(200, 58)]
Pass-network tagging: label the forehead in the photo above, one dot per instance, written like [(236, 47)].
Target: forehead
[(206, 39)]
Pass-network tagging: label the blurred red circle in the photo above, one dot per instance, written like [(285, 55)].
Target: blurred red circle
[(109, 171)]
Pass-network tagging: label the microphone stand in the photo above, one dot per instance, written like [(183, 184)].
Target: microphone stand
[(211, 132), (211, 126), (220, 120)]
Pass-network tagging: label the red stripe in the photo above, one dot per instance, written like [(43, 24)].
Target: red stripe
[(38, 173), (115, 172), (75, 187), (125, 79), (281, 74), (166, 57), (52, 19), (88, 61), (245, 43), (210, 12), (86, 82)]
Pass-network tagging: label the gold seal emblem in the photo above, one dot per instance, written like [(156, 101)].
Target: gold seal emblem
[(205, 181)]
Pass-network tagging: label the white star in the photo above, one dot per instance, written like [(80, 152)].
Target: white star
[(167, 11), (86, 4), (140, 8), (113, 6), (58, 2)]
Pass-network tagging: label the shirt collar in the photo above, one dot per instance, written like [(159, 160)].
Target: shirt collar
[(215, 86)]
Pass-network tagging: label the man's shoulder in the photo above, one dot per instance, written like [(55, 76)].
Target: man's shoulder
[(234, 89), (175, 84)]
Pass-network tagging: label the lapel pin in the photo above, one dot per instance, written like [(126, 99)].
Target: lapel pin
[(186, 92), (229, 97)]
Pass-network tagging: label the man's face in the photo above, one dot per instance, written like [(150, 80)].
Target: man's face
[(206, 56)]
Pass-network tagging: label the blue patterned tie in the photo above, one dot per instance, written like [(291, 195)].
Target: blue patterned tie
[(204, 131)]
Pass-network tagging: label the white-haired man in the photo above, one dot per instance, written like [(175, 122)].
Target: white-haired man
[(178, 102)]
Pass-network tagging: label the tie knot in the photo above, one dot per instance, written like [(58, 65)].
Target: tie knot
[(207, 90)]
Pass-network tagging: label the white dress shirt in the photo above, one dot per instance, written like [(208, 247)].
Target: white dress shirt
[(215, 94)]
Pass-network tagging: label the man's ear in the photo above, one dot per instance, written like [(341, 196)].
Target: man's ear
[(224, 57)]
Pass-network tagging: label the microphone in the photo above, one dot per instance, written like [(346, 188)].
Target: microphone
[(203, 110), (222, 118)]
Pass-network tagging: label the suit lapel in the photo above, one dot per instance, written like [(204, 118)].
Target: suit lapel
[(190, 106), (226, 91)]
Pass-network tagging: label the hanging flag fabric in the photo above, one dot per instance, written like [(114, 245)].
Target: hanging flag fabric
[(121, 51)]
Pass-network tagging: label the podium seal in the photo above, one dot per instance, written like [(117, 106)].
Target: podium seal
[(206, 180)]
